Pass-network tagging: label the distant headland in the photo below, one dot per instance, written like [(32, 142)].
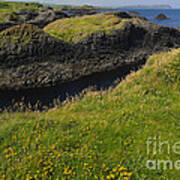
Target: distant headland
[(144, 7)]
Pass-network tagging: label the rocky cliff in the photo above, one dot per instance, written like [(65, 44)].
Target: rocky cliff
[(32, 59), (41, 17)]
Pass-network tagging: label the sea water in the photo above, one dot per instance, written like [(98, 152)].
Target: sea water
[(173, 14)]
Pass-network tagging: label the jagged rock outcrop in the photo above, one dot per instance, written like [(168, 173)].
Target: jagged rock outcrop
[(39, 18), (120, 14), (42, 17), (134, 12), (31, 58), (5, 25), (36, 17), (161, 17), (23, 44), (79, 12)]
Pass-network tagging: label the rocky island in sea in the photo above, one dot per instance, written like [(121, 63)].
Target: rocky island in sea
[(145, 7)]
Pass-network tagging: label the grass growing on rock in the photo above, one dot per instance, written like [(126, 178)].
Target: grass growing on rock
[(6, 8), (21, 34), (102, 136), (75, 29)]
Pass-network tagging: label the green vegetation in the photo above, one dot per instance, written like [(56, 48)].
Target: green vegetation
[(6, 8), (75, 29), (102, 136), (21, 35)]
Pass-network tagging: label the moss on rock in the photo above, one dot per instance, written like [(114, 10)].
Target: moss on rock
[(75, 29), (20, 34), (31, 58), (10, 7)]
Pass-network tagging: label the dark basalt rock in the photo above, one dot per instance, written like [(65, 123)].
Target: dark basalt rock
[(49, 8), (42, 17), (4, 5), (39, 6), (31, 58), (6, 25), (31, 16), (134, 13), (46, 17), (79, 12), (23, 44), (120, 14), (141, 17), (161, 17)]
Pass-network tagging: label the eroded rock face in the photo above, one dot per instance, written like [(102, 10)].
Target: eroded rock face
[(79, 12), (5, 25), (31, 58), (120, 14), (134, 12), (42, 17), (31, 16)]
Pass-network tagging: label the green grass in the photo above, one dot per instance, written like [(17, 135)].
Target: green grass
[(103, 135), (75, 29), (6, 8), (21, 35)]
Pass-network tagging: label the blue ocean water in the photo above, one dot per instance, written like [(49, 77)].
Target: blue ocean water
[(173, 14)]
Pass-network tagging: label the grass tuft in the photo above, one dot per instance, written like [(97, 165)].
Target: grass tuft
[(7, 8)]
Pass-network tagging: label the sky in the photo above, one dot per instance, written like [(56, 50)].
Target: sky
[(173, 3)]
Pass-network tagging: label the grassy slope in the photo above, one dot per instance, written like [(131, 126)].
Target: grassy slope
[(75, 29), (7, 8), (102, 135), (21, 34)]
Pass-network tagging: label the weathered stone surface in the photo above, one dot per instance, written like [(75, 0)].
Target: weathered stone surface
[(42, 17), (134, 12), (31, 16), (120, 14), (30, 58), (6, 25), (78, 12)]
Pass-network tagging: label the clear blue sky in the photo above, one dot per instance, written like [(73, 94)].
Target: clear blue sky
[(173, 3)]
